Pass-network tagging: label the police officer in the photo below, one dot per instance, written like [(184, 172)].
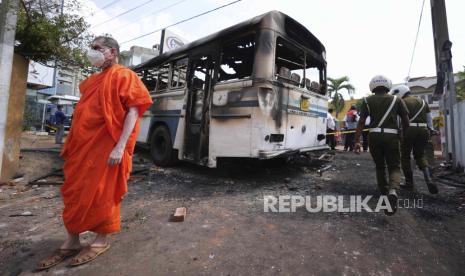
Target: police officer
[(383, 139), (416, 137)]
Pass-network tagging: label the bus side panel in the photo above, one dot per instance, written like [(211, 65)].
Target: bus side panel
[(231, 122), (178, 140), (145, 123), (304, 125), (323, 114), (230, 137), (167, 111)]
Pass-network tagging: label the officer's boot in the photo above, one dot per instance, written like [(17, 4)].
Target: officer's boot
[(393, 201), (432, 188), (408, 181)]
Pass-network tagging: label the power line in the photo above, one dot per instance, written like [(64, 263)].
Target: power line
[(182, 21), (104, 7), (123, 13), (151, 14), (416, 39), (109, 4)]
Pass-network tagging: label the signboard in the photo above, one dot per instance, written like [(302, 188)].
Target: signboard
[(40, 75), (172, 41)]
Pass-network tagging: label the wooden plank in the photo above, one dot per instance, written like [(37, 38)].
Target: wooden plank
[(179, 214)]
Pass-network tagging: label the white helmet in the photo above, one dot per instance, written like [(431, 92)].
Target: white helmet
[(380, 81), (400, 90)]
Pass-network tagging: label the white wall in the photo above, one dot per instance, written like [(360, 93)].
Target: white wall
[(459, 113)]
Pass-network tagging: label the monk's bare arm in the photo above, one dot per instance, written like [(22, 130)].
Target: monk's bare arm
[(129, 123)]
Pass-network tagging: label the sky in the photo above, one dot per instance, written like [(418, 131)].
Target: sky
[(363, 38)]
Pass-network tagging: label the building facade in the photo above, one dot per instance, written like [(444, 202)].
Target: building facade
[(66, 83), (44, 82), (137, 55)]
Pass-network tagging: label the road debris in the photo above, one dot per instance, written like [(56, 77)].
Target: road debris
[(322, 170), (227, 219), (50, 195), (42, 180), (179, 215), (23, 214), (44, 150)]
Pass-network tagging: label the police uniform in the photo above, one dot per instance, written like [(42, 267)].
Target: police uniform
[(416, 139), (429, 150), (383, 139)]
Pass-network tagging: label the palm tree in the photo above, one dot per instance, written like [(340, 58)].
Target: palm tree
[(334, 88)]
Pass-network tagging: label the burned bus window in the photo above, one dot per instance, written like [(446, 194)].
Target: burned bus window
[(149, 78), (178, 75), (312, 79), (314, 76), (237, 59), (289, 64), (163, 79)]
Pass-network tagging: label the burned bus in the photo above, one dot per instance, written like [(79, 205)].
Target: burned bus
[(255, 90)]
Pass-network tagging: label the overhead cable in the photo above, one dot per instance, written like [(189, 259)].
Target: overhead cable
[(182, 21), (416, 39)]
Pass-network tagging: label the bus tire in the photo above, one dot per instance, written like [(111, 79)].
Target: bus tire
[(161, 147)]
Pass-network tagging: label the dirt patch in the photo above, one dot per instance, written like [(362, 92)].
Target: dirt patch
[(226, 231)]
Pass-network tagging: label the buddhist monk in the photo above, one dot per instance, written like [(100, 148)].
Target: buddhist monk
[(98, 153)]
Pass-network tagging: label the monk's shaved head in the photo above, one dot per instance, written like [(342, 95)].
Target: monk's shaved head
[(107, 41)]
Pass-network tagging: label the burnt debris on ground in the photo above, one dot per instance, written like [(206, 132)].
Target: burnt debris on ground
[(226, 230)]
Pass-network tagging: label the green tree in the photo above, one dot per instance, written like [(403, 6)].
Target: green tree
[(47, 32), (460, 88), (335, 86)]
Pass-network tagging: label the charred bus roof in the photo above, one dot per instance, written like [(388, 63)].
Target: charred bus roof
[(274, 20)]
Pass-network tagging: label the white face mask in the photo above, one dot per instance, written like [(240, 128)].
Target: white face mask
[(95, 57)]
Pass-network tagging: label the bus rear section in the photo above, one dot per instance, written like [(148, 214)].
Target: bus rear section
[(265, 121), (255, 90), (279, 110)]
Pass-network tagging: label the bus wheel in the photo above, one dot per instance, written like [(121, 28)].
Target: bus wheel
[(161, 147)]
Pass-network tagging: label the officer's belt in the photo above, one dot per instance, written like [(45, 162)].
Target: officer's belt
[(384, 130), (418, 125)]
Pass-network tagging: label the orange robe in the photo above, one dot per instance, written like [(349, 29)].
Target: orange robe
[(93, 190)]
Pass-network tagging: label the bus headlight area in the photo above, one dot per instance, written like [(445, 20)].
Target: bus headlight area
[(267, 100)]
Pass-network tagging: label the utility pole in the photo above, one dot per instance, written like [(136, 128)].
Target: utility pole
[(8, 19), (445, 85), (55, 70)]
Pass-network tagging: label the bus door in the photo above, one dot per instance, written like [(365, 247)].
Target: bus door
[(198, 109)]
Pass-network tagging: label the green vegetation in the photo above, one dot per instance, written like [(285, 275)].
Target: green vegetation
[(334, 88), (47, 32)]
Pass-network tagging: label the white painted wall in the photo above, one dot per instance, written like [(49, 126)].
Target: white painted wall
[(8, 18), (459, 113)]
